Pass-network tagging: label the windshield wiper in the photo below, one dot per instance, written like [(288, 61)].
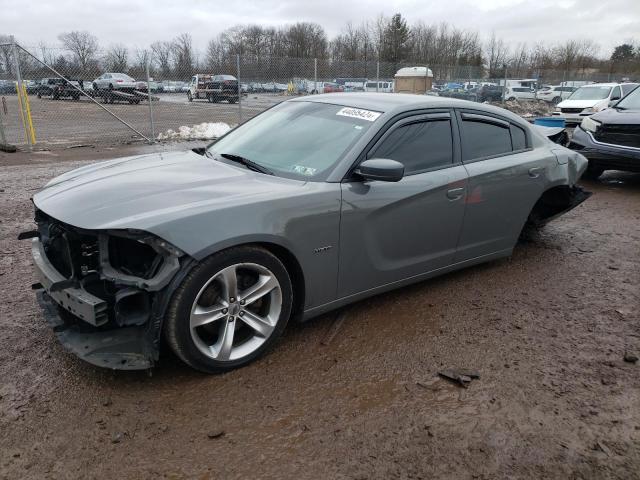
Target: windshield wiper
[(256, 167)]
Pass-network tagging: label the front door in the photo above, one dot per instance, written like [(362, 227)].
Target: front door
[(392, 231)]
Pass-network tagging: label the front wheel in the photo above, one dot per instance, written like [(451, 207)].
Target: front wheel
[(189, 97), (556, 100), (229, 309)]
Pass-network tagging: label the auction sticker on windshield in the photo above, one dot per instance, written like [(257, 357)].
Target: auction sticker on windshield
[(367, 115)]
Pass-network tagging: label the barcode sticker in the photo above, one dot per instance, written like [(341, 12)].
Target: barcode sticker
[(367, 115)]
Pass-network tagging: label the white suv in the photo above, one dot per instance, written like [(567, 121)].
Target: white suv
[(555, 93), (590, 99), (519, 93)]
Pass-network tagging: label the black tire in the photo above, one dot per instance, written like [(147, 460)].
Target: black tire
[(110, 86), (556, 100), (176, 327), (95, 87), (189, 97), (511, 99), (593, 172), (233, 100), (39, 95)]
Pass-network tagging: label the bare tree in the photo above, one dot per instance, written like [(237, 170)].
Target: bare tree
[(161, 52), (83, 46), (182, 51), (496, 52), (117, 58)]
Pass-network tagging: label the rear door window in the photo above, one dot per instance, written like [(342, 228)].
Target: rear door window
[(484, 136), (483, 139)]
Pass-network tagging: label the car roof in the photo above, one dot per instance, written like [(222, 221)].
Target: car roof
[(399, 102)]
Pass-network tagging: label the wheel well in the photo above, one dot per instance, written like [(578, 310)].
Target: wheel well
[(552, 202), (295, 270)]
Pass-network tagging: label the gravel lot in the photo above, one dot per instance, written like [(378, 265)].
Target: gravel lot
[(61, 123), (356, 394)]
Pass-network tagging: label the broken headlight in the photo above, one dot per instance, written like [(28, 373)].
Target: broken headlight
[(590, 125)]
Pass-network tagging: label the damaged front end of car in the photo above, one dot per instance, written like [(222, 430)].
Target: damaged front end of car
[(104, 291)]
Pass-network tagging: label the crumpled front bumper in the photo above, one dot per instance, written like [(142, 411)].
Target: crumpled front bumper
[(78, 319), (120, 349)]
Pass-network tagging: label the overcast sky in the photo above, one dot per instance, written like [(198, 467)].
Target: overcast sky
[(138, 23)]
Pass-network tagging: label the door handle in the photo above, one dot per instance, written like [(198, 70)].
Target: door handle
[(535, 172), (455, 193)]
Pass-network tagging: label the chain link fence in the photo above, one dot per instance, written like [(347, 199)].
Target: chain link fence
[(65, 102)]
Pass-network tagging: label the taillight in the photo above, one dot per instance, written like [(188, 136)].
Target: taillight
[(119, 81)]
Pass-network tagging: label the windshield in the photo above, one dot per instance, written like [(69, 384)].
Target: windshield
[(301, 140), (590, 93), (631, 101)]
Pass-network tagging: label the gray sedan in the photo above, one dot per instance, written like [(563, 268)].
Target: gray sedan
[(314, 204)]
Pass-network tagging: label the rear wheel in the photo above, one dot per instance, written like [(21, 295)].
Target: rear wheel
[(189, 97), (229, 309), (556, 100), (232, 100)]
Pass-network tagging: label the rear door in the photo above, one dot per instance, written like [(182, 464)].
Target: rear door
[(506, 178), (391, 231)]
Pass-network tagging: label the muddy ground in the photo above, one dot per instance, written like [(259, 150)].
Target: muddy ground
[(355, 395)]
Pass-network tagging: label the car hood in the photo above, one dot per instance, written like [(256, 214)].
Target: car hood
[(612, 116), (143, 192), (581, 103)]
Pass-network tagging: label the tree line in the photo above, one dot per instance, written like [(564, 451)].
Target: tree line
[(288, 51)]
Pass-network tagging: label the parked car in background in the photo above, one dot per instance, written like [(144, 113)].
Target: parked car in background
[(590, 99), (215, 88), (490, 93), (141, 85), (380, 86), (31, 86), (555, 93), (114, 81), (57, 88), (7, 87), (292, 214), (610, 139), (519, 93)]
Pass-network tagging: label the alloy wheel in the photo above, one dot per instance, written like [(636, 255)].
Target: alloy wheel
[(236, 311)]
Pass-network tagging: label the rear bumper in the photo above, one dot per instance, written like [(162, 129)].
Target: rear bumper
[(607, 156)]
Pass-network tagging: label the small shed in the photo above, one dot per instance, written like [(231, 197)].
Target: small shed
[(413, 80)]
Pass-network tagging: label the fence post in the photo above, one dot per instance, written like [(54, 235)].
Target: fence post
[(504, 89), (315, 75), (153, 134), (239, 89), (377, 75), (19, 90)]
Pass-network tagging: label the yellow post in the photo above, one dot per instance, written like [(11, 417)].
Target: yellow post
[(28, 110), (22, 115)]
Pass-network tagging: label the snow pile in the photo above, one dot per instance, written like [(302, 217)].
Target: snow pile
[(203, 131)]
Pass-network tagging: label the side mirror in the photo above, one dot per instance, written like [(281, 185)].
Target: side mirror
[(382, 169), (613, 101)]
